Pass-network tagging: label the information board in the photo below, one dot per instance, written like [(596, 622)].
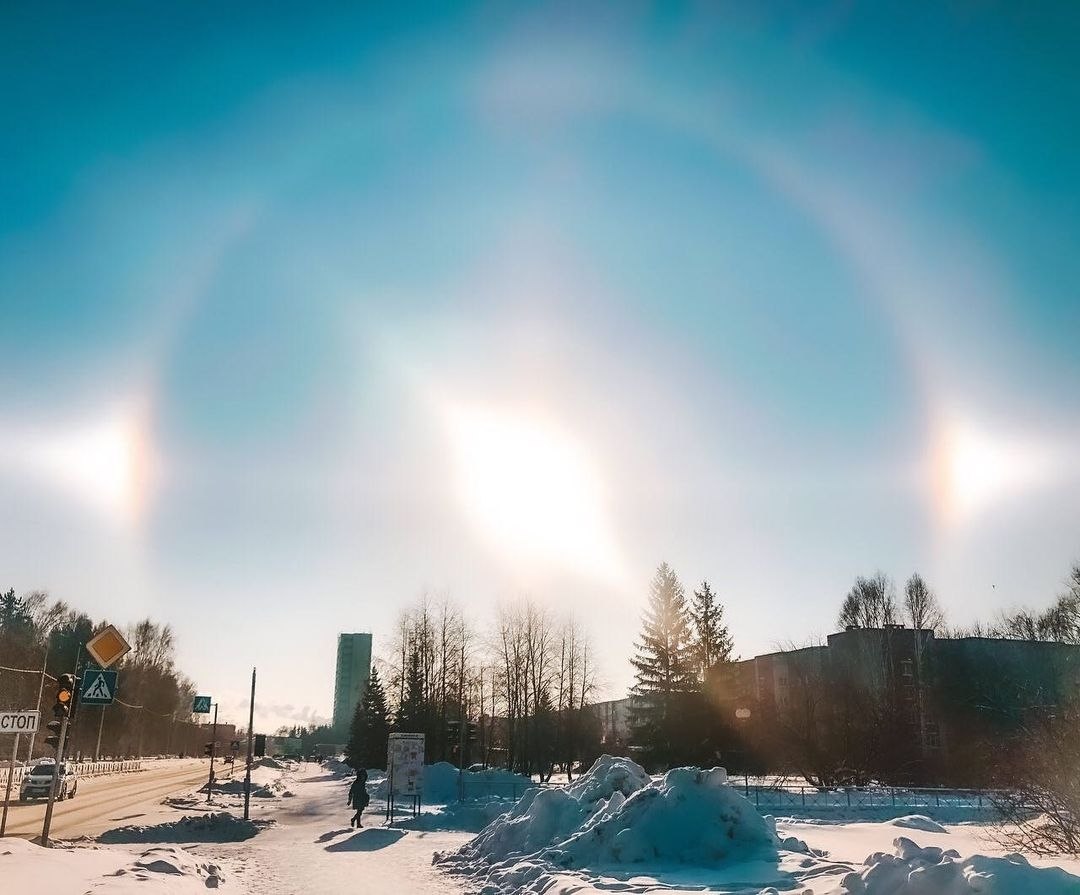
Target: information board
[(405, 763)]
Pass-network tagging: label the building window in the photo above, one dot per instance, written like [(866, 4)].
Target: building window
[(933, 737), (907, 668)]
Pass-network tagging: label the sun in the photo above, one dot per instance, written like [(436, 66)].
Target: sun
[(530, 489)]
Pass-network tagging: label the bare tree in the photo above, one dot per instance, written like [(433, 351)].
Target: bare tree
[(1040, 799), (921, 605), (871, 603)]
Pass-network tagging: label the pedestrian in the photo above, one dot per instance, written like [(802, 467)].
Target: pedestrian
[(358, 797)]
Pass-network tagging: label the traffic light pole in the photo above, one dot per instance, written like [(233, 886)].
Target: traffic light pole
[(55, 782), (213, 749)]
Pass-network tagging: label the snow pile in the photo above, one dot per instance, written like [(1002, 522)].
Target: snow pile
[(440, 786), (213, 827), (25, 867), (174, 862), (918, 822), (337, 768), (933, 871), (615, 814)]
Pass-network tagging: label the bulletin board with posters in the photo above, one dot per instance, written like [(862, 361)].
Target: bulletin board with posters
[(404, 771)]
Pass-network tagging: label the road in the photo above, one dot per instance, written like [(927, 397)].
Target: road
[(106, 802)]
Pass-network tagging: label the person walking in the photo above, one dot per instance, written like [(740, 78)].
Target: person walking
[(358, 797)]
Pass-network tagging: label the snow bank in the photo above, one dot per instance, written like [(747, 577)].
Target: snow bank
[(918, 822), (213, 827), (441, 784), (912, 870), (25, 867), (615, 814), (467, 817), (338, 768)]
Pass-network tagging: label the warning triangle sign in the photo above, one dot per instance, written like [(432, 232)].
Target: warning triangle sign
[(99, 689)]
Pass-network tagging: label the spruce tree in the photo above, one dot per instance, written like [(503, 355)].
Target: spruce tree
[(713, 642), (370, 727), (376, 723), (664, 668), (412, 713)]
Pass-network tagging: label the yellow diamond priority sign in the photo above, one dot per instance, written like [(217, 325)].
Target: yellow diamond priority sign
[(107, 647)]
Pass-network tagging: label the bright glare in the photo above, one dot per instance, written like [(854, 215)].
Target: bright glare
[(975, 469), (530, 490), (104, 464)]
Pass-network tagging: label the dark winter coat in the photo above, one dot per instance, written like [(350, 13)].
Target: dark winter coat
[(358, 794)]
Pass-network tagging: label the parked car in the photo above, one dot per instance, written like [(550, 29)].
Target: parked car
[(35, 785)]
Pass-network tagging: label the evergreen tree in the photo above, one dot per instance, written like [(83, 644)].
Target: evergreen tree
[(370, 727), (664, 668), (377, 723), (713, 642), (412, 715)]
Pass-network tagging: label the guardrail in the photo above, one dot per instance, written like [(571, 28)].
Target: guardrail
[(81, 769)]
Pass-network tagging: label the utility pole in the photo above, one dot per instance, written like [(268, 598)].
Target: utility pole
[(40, 692), (251, 740), (213, 749)]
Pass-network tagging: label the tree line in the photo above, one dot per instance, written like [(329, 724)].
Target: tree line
[(152, 711), (525, 683)]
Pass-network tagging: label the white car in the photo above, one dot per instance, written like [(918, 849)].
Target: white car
[(35, 785)]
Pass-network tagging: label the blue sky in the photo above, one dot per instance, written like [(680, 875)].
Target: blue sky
[(793, 289)]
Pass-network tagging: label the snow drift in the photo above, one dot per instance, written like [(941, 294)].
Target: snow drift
[(616, 814), (213, 827), (912, 870)]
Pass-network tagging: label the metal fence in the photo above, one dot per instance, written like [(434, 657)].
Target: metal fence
[(795, 799), (505, 789), (81, 769)]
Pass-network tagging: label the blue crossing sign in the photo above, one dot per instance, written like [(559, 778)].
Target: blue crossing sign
[(200, 705), (98, 687)]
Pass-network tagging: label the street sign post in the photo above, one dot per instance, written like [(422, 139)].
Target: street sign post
[(98, 687), (17, 723), (200, 705), (107, 646)]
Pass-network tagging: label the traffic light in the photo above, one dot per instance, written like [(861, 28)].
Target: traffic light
[(53, 739), (260, 745), (472, 731), (65, 696), (208, 750), (453, 731)]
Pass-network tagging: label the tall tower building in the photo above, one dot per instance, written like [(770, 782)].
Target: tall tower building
[(351, 677)]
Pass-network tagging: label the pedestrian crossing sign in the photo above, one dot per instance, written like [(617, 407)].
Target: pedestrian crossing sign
[(200, 705), (98, 687)]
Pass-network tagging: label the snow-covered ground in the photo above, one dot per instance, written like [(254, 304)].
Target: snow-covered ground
[(614, 829)]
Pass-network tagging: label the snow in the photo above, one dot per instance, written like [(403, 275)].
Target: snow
[(25, 867), (470, 816), (441, 784), (615, 829), (918, 822), (617, 815), (213, 827), (913, 870)]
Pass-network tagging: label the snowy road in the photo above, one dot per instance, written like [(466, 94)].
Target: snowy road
[(102, 802), (312, 850)]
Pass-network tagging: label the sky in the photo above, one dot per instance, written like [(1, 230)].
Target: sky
[(308, 311)]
